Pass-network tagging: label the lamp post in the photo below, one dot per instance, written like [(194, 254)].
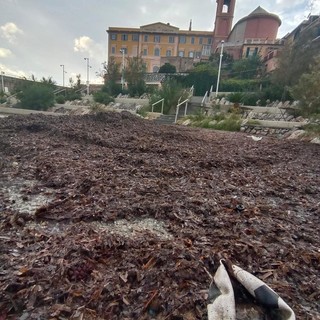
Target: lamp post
[(87, 59), (122, 75), (2, 83), (219, 70), (63, 72)]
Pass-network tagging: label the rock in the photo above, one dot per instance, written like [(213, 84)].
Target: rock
[(300, 119), (315, 140), (295, 134), (186, 123)]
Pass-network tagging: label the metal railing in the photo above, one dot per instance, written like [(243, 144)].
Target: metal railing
[(58, 91), (191, 91), (161, 100), (185, 109), (190, 95), (203, 101)]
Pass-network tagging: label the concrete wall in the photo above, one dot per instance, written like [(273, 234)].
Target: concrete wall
[(143, 102)]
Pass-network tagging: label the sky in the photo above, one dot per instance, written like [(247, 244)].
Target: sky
[(38, 36)]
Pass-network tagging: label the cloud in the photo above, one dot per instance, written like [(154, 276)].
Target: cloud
[(87, 45), (83, 44), (10, 31), (13, 71), (5, 53)]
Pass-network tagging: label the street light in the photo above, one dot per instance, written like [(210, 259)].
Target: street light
[(63, 72), (87, 74), (219, 71), (2, 83), (122, 75)]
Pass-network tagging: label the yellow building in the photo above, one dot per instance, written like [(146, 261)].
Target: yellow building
[(158, 43)]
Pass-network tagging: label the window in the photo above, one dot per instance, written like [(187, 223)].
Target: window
[(200, 40), (113, 36), (145, 52), (181, 54), (191, 54), (135, 37), (168, 53), (198, 55), (113, 50), (192, 40), (182, 39), (146, 38), (157, 52), (206, 50), (125, 50), (155, 69), (157, 38), (171, 39), (248, 52), (209, 40), (255, 51), (225, 8), (124, 37)]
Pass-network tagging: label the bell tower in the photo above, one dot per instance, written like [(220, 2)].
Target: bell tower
[(223, 23)]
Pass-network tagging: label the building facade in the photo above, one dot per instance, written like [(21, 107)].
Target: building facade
[(255, 34), (157, 43)]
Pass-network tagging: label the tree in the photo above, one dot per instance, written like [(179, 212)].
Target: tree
[(307, 90), (296, 59), (112, 77), (227, 59), (134, 75), (48, 82), (167, 68), (171, 91), (202, 76), (247, 68)]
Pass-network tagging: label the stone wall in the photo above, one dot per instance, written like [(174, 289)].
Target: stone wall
[(265, 131)]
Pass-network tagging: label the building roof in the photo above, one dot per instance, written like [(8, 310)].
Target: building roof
[(259, 12), (159, 27)]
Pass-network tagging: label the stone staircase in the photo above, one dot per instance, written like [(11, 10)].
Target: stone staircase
[(165, 119), (193, 106)]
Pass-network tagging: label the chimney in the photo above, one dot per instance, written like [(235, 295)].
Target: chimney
[(190, 25)]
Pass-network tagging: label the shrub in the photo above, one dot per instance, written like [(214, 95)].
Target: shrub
[(72, 95), (36, 96), (250, 99), (3, 99), (102, 97), (312, 128), (239, 85), (232, 123), (219, 121), (60, 99), (235, 97), (143, 111)]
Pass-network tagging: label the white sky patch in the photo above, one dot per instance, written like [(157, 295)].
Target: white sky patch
[(315, 6), (143, 9), (5, 53), (10, 31)]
